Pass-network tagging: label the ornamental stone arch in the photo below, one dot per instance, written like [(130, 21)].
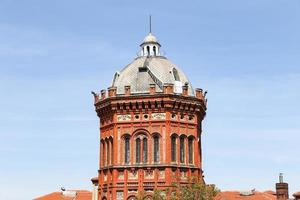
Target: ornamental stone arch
[(149, 197), (191, 137), (140, 141), (174, 135), (140, 131), (156, 134), (125, 135), (132, 197)]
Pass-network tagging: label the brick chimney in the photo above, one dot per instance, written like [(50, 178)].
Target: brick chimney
[(282, 189)]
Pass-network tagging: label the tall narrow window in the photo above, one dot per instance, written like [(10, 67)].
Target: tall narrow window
[(145, 150), (103, 154), (154, 50), (148, 51), (107, 152), (138, 150), (156, 149), (111, 152), (182, 150), (173, 149), (191, 149), (127, 150)]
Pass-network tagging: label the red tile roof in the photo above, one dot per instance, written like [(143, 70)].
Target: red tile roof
[(296, 194), (234, 195), (79, 195)]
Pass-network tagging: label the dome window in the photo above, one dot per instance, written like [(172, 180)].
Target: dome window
[(176, 75), (148, 51), (116, 76), (154, 50)]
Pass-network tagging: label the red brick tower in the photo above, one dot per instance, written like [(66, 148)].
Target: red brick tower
[(150, 127)]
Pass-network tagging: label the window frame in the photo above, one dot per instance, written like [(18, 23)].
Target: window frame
[(182, 150), (127, 150), (156, 149), (173, 148)]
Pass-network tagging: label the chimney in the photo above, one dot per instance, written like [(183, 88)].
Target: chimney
[(282, 189)]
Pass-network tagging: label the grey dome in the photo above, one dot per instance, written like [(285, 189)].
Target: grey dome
[(146, 70)]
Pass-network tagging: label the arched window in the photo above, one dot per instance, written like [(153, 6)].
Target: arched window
[(154, 50), (111, 151), (138, 150), (156, 148), (103, 153), (127, 150), (145, 150), (148, 51), (107, 152), (182, 150), (173, 148), (191, 149)]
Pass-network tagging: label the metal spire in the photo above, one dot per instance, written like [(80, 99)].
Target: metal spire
[(150, 24)]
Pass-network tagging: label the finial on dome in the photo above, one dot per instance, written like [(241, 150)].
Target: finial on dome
[(150, 45), (150, 24)]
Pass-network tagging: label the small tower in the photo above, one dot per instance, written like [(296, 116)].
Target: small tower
[(150, 46), (282, 189)]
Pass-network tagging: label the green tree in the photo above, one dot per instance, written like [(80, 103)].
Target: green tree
[(159, 195), (194, 190)]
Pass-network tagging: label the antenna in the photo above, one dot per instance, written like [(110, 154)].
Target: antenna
[(281, 178), (150, 24)]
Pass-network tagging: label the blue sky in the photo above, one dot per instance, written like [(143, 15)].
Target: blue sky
[(53, 53)]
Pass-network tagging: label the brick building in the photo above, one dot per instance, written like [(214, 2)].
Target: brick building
[(150, 127), (150, 133)]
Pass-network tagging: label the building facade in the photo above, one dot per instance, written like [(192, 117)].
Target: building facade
[(150, 127)]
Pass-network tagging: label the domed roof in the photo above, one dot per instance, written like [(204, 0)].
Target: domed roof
[(146, 70), (150, 68), (150, 38)]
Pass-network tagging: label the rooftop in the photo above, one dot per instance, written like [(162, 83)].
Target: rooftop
[(251, 195), (150, 67), (67, 195)]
